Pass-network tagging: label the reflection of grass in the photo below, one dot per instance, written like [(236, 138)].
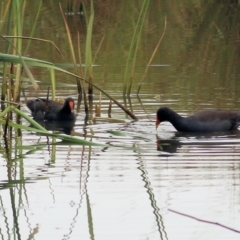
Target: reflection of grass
[(13, 183)]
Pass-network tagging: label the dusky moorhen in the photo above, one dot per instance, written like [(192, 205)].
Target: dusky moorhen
[(202, 121), (43, 109)]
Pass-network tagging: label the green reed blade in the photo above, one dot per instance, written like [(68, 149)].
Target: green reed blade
[(71, 49), (140, 23), (133, 46), (20, 60), (152, 56), (53, 81), (34, 26), (40, 63)]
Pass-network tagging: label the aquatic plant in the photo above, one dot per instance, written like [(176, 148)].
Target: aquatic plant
[(13, 81), (132, 54)]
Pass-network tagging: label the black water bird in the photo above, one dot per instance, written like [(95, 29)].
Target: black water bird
[(48, 110), (202, 121)]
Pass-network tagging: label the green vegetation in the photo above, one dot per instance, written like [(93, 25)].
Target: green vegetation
[(16, 73), (132, 55)]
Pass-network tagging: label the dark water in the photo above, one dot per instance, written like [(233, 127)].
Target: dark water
[(126, 191)]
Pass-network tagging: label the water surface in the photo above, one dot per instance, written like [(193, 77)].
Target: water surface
[(126, 190)]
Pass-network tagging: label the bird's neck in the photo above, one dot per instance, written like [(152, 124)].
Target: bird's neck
[(176, 120), (174, 117), (66, 109)]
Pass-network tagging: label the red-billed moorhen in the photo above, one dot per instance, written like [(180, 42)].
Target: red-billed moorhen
[(202, 121), (43, 109)]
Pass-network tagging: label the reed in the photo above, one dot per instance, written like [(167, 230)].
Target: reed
[(14, 16), (79, 86), (14, 13), (78, 71), (34, 26), (18, 7), (88, 53), (152, 56), (39, 129), (5, 16), (132, 54)]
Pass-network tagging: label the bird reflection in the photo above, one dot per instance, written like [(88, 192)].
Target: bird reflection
[(169, 145), (175, 142)]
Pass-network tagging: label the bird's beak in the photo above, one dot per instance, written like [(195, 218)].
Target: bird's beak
[(157, 123)]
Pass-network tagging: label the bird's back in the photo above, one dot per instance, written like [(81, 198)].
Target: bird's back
[(213, 121), (41, 108), (210, 115)]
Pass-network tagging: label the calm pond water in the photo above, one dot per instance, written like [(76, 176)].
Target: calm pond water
[(130, 190)]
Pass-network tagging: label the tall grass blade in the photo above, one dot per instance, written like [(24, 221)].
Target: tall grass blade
[(152, 56), (34, 26), (63, 137), (53, 81), (82, 76), (72, 49), (18, 7), (5, 57), (133, 45), (88, 59), (4, 11), (40, 63), (7, 15), (140, 23), (39, 129), (35, 39)]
